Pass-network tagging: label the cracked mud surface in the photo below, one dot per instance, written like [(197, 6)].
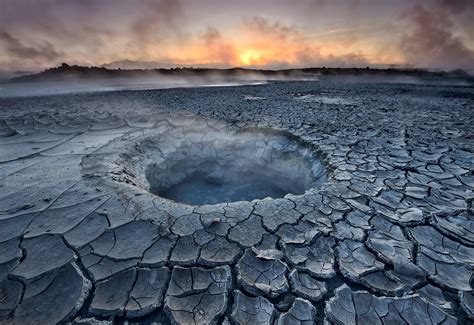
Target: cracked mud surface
[(387, 237)]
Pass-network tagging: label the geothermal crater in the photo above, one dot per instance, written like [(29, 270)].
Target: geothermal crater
[(227, 166)]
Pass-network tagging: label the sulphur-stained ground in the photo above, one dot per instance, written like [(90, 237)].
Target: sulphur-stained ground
[(388, 237)]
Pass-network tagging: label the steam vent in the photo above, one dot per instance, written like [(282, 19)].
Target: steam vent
[(200, 165), (282, 203)]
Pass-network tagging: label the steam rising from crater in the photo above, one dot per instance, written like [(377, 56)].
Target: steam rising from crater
[(199, 166)]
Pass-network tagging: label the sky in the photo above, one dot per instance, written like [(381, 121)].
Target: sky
[(274, 34)]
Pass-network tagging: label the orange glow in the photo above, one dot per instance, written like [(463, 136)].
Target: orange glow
[(271, 47), (250, 57), (249, 53), (253, 34)]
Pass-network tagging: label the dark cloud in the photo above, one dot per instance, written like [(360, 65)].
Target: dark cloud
[(457, 6), (432, 42), (16, 48), (462, 12), (78, 31)]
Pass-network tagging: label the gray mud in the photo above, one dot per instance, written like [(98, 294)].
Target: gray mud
[(370, 221)]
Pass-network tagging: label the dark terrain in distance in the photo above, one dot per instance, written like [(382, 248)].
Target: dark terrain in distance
[(74, 72)]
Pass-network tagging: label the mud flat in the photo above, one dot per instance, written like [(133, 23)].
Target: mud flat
[(289, 202)]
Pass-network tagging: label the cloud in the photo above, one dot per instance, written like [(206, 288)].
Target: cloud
[(16, 48), (311, 56), (280, 46), (456, 7), (432, 42), (211, 35), (79, 31), (266, 33), (462, 12), (274, 30), (220, 50), (157, 22)]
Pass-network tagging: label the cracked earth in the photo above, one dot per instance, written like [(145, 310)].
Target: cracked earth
[(380, 228)]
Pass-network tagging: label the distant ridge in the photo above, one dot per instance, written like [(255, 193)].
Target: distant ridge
[(137, 65), (150, 65), (73, 72)]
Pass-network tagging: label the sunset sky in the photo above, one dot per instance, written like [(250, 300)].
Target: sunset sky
[(36, 34)]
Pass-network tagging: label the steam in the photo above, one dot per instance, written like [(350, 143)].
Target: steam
[(159, 22), (198, 165), (222, 50), (145, 83), (432, 42), (16, 48)]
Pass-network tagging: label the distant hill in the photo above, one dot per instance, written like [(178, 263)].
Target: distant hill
[(137, 65), (150, 65), (75, 72), (6, 75)]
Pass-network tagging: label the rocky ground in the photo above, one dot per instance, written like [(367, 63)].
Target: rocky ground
[(387, 238)]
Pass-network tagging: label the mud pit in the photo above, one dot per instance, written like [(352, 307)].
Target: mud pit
[(230, 166)]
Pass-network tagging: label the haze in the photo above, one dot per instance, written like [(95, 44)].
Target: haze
[(259, 34)]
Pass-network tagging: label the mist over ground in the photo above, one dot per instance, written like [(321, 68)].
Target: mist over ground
[(76, 79), (80, 86)]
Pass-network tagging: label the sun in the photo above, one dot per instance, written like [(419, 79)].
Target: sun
[(250, 57)]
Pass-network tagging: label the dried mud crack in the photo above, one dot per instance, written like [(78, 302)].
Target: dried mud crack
[(214, 208)]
